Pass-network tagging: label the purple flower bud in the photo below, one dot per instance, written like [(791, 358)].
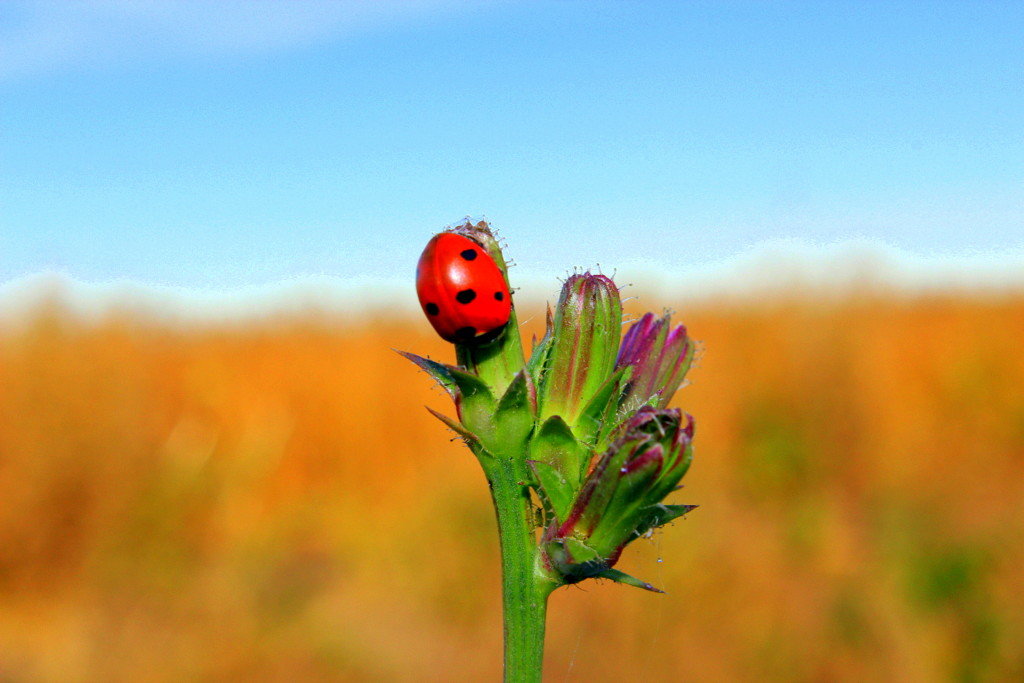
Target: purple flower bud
[(621, 498), (660, 357)]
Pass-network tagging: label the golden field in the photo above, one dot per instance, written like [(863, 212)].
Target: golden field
[(269, 500)]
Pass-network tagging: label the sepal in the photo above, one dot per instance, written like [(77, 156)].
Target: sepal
[(541, 349), (474, 402), (597, 419), (468, 436), (552, 488), (573, 559), (654, 516), (555, 444), (439, 371), (624, 578), (514, 417), (577, 562)]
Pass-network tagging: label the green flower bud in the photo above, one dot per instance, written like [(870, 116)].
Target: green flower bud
[(577, 356)]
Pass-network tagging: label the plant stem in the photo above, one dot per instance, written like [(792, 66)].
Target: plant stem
[(525, 585)]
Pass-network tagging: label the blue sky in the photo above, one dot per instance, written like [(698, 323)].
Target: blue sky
[(224, 145)]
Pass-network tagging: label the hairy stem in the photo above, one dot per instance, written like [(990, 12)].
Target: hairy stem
[(525, 583)]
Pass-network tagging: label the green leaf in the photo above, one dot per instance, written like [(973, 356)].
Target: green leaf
[(581, 552), (474, 402), (438, 371), (515, 415), (613, 415), (623, 577), (654, 516), (594, 416), (574, 560), (555, 444), (469, 436), (467, 382), (553, 489), (517, 396), (539, 352)]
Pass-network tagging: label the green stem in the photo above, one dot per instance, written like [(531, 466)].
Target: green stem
[(525, 585)]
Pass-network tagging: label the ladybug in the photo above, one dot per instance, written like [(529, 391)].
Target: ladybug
[(462, 290)]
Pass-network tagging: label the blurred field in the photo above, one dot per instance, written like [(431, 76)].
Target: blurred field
[(270, 501)]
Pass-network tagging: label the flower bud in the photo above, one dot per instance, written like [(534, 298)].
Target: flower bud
[(659, 356), (621, 498), (580, 347)]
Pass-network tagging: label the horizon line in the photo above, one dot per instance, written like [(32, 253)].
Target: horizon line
[(770, 268)]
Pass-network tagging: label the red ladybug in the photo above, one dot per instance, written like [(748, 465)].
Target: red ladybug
[(461, 289)]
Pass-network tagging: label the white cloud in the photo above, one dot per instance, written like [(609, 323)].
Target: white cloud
[(44, 36)]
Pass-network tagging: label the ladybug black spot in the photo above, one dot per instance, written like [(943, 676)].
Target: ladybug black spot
[(468, 254), (498, 296), (432, 309), (465, 333), (465, 296)]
